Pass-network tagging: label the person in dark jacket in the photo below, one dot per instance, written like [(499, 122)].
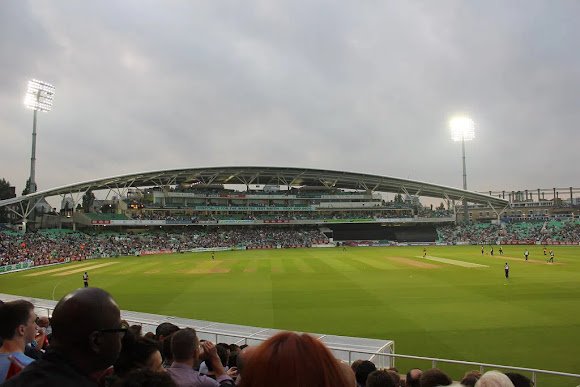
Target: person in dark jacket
[(86, 340)]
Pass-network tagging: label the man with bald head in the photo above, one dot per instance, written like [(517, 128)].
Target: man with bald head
[(413, 378), (86, 340)]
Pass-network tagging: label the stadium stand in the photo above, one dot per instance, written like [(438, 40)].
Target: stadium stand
[(62, 245), (540, 232), (54, 246)]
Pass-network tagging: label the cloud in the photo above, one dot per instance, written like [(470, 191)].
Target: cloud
[(365, 87)]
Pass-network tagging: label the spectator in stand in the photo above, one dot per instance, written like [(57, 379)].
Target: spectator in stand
[(519, 380), (241, 361), (165, 329), (381, 378), (187, 352), (35, 349), (469, 381), (146, 378), (135, 330), (413, 377), (151, 336), (494, 379), (394, 375), (234, 352), (166, 353), (47, 248), (363, 371), (86, 340), (45, 331), (348, 373), (470, 378), (17, 328), (163, 334), (355, 364), (435, 377), (205, 368), (288, 359), (137, 353)]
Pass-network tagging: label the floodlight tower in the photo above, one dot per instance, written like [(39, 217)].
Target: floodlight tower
[(38, 98), (463, 129)]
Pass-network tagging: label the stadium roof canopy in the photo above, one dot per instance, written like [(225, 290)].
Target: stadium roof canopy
[(256, 175)]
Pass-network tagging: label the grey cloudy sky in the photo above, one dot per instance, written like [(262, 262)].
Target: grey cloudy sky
[(362, 86)]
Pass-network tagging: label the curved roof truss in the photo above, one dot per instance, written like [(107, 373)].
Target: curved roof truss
[(257, 175)]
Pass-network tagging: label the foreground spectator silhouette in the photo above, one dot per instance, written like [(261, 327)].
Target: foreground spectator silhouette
[(380, 378), (470, 378), (413, 378), (17, 328), (223, 353), (234, 352), (44, 331), (241, 361), (186, 354), (494, 379), (86, 340), (146, 378), (394, 373), (163, 334), (137, 353), (519, 380), (164, 330), (363, 370), (354, 365), (435, 377), (288, 359)]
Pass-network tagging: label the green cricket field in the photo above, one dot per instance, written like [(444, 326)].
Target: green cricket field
[(454, 303)]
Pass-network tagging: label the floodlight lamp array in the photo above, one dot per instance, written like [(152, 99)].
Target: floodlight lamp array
[(462, 128), (39, 95)]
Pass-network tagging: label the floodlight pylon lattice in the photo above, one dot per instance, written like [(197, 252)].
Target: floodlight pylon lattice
[(463, 129), (39, 97)]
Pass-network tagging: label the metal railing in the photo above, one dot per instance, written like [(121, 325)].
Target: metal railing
[(482, 366)]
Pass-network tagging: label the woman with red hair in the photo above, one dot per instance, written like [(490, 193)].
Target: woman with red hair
[(288, 359)]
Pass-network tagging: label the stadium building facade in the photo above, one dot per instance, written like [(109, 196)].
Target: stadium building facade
[(345, 205), (539, 204)]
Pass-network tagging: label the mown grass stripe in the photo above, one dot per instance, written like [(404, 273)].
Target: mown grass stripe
[(65, 267), (342, 264), (303, 266), (82, 269), (452, 261), (375, 263), (277, 265)]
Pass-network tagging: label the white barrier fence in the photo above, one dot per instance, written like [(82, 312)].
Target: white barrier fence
[(343, 347)]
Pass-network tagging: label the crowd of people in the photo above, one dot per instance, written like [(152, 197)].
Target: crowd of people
[(42, 246), (86, 344), (527, 232), (311, 215), (48, 246)]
